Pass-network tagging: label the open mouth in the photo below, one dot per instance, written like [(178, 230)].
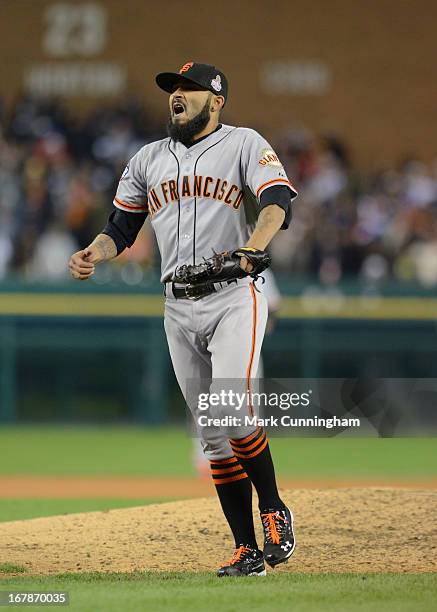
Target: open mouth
[(178, 108)]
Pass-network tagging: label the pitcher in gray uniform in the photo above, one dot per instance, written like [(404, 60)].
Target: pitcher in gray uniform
[(211, 187)]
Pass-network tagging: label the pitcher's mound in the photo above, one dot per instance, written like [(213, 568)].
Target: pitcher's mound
[(343, 530)]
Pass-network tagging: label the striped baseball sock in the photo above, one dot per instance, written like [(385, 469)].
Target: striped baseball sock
[(234, 491), (253, 453)]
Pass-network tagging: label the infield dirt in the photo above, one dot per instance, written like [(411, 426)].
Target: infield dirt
[(338, 530)]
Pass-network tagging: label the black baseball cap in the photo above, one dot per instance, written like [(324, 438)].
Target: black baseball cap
[(207, 76)]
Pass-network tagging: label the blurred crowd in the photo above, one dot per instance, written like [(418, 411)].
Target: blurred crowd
[(58, 175)]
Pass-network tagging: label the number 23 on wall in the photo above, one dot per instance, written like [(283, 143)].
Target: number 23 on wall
[(74, 29)]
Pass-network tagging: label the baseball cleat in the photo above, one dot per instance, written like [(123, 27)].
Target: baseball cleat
[(279, 541), (246, 561)]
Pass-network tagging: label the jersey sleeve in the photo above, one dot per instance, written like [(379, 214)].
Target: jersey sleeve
[(131, 195), (261, 167)]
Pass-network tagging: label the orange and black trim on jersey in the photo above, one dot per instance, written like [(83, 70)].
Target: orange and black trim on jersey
[(130, 207), (225, 471), (281, 181), (250, 446)]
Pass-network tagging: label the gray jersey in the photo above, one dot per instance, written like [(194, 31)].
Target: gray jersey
[(202, 198)]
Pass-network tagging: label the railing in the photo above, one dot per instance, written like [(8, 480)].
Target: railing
[(79, 352)]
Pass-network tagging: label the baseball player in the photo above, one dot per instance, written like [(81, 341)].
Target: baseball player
[(215, 195)]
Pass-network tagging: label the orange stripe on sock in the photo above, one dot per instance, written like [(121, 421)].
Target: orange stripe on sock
[(227, 470), (230, 479), (229, 460), (250, 447), (255, 453), (239, 441), (239, 445)]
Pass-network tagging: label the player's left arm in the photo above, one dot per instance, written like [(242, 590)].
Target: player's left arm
[(265, 176), (270, 221)]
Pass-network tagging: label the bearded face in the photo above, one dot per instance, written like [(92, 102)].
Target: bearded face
[(190, 111), (185, 130)]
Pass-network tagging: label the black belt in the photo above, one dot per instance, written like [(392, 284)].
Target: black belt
[(196, 292)]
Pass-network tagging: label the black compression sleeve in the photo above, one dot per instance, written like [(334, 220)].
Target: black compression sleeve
[(280, 195), (123, 228)]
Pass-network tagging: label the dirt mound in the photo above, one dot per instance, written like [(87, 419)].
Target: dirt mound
[(343, 530), (136, 487)]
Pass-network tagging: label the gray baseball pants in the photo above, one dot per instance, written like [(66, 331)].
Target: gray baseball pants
[(215, 339)]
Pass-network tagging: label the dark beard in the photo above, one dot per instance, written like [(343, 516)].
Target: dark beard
[(185, 133)]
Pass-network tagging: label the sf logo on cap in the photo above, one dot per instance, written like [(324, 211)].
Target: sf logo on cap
[(185, 67)]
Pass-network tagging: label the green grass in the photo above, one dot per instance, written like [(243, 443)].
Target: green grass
[(168, 452), (18, 509), (95, 451), (407, 458), (10, 568), (199, 592)]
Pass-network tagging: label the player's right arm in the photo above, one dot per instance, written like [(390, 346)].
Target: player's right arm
[(82, 263), (123, 225)]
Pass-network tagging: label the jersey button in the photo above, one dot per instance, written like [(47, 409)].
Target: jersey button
[(188, 155), (186, 236)]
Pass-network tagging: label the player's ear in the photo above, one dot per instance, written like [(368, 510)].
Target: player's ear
[(217, 103)]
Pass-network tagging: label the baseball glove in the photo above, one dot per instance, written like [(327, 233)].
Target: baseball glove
[(223, 267)]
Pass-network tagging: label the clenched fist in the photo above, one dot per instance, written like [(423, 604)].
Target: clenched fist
[(82, 263)]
